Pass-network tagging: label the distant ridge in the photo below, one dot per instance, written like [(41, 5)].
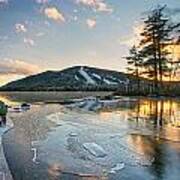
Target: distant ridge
[(73, 78)]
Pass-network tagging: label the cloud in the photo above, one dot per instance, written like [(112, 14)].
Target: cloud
[(42, 1), (101, 6), (91, 23), (97, 5), (20, 28), (3, 1), (54, 13), (75, 18), (29, 41), (17, 67)]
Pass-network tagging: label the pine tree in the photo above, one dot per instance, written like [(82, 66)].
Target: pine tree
[(135, 61)]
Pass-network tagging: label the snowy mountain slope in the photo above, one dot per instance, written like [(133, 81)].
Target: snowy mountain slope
[(74, 78)]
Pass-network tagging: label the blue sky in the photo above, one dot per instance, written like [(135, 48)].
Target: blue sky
[(36, 35)]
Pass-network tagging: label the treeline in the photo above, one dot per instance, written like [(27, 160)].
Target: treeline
[(153, 56), (62, 88)]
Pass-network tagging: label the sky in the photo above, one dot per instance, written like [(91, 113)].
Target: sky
[(39, 35)]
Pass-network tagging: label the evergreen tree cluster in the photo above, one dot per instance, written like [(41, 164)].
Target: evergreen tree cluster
[(152, 58)]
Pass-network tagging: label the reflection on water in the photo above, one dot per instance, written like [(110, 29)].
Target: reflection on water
[(166, 161), (161, 112), (142, 144), (162, 117), (154, 114), (7, 100)]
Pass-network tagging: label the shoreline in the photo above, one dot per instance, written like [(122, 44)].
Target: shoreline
[(5, 173), (91, 93)]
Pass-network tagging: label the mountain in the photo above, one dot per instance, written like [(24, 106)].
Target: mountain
[(74, 78)]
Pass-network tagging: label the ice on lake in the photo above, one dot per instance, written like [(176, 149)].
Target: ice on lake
[(85, 144)]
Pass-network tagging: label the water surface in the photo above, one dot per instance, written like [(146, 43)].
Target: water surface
[(46, 142)]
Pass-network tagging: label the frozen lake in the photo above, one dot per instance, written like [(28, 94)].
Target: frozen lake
[(137, 139)]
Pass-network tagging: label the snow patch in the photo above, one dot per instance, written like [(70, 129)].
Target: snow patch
[(89, 80), (121, 82), (76, 78), (97, 76), (114, 78), (109, 82)]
